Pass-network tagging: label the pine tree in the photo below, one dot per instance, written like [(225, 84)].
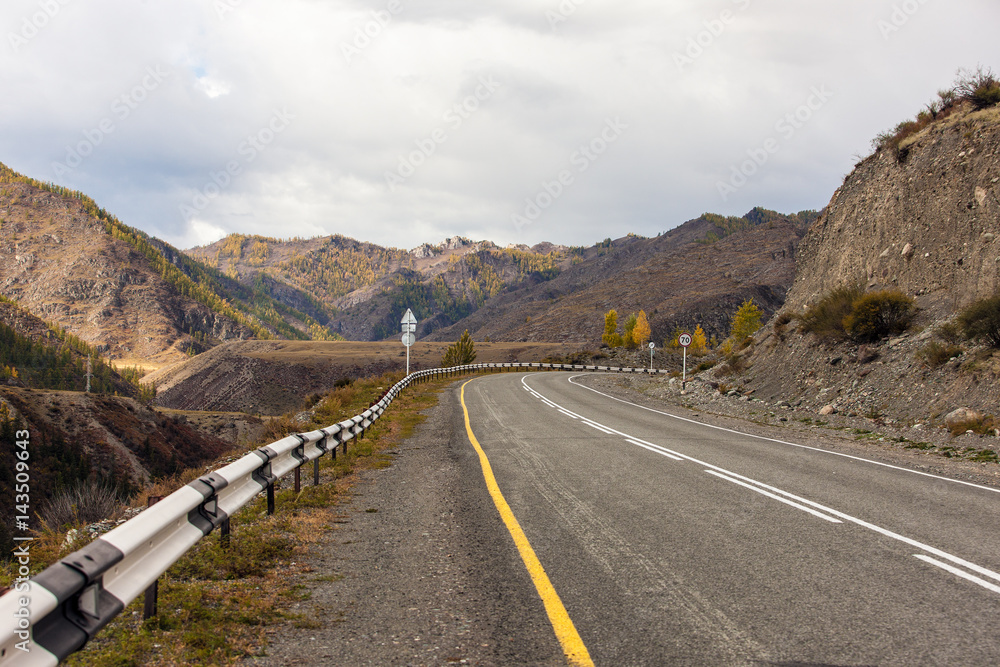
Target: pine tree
[(461, 353)]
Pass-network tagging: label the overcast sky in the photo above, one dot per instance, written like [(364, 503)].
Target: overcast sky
[(402, 122)]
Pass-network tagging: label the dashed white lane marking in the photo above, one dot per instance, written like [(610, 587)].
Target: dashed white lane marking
[(732, 477)]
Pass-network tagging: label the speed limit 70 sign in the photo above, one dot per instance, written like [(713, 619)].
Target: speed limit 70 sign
[(684, 340)]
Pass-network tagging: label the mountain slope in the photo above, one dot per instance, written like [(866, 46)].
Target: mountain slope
[(697, 273), (366, 288), (133, 296), (33, 354)]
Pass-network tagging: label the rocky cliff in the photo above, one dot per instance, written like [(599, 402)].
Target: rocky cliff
[(925, 223)]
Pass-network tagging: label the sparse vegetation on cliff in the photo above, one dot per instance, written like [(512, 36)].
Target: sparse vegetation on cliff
[(979, 88)]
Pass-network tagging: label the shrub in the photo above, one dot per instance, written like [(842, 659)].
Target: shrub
[(981, 320), (86, 503), (826, 317), (935, 354), (980, 87), (781, 323), (461, 353), (879, 314), (981, 425)]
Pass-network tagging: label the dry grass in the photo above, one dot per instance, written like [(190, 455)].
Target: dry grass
[(216, 602)]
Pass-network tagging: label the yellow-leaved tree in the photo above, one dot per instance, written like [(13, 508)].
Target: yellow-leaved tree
[(699, 346), (611, 336), (641, 332), (745, 322)]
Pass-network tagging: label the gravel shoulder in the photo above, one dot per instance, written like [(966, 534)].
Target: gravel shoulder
[(924, 449), (418, 569)]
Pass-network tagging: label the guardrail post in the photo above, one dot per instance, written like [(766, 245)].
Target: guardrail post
[(316, 472), (298, 479), (224, 533), (153, 592), (270, 498)]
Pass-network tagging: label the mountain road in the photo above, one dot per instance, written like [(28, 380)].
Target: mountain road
[(669, 541)]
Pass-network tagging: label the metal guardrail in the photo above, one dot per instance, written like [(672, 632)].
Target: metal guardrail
[(56, 612)]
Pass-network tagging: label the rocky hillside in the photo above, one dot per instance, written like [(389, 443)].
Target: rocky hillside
[(927, 224), (697, 273), (924, 219)]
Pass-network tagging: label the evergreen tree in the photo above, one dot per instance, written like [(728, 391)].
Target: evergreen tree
[(461, 353)]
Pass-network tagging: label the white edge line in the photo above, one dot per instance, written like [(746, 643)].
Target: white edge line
[(568, 414), (776, 497), (784, 442), (959, 573)]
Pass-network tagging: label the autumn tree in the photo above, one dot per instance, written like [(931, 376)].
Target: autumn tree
[(641, 331), (745, 322), (611, 336), (699, 346), (629, 339), (461, 353)]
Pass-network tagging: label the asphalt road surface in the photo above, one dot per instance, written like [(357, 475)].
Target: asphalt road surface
[(672, 542)]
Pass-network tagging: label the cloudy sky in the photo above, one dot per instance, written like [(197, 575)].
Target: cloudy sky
[(400, 122)]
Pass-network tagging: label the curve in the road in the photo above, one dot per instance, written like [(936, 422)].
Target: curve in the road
[(814, 508)]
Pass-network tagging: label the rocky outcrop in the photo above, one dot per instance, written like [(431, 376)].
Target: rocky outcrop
[(926, 224)]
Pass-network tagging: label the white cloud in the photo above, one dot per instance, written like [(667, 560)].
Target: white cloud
[(355, 120)]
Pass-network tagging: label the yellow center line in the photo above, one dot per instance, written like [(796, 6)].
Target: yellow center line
[(576, 652)]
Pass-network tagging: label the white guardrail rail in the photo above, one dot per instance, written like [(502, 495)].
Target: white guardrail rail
[(59, 610)]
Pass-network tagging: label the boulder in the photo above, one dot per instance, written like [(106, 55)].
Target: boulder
[(961, 416), (828, 410)]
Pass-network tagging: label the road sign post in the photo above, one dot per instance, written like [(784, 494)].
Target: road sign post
[(409, 324), (685, 340), (652, 346)]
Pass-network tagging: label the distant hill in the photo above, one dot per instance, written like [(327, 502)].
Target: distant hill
[(697, 273), (366, 288), (115, 287)]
